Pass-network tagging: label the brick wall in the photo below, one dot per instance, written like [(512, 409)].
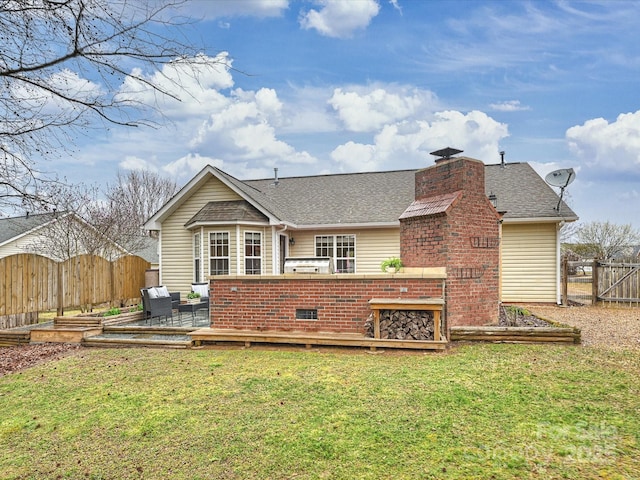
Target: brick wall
[(341, 301), (464, 238)]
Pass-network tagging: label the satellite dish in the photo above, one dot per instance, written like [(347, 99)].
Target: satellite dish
[(560, 178)]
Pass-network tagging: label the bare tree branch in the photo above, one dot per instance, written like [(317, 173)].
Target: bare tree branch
[(63, 66), (605, 240)]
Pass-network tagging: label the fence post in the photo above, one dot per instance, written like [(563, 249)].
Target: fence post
[(564, 279), (60, 290), (594, 282), (112, 280)]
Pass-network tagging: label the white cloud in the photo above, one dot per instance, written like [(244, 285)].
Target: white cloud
[(630, 195), (209, 9), (132, 162), (608, 149), (407, 144), (195, 82), (244, 128), (66, 82), (364, 110), (509, 106), (356, 157), (339, 19), (189, 165)]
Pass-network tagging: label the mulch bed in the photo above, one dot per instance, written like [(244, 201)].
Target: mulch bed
[(520, 317), (14, 359)]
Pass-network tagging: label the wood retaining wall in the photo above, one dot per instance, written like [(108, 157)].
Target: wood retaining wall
[(566, 335)]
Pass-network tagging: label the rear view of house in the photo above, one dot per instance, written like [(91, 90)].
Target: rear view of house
[(220, 225)]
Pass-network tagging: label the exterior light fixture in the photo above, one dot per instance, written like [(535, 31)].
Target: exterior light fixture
[(292, 241), (494, 200)]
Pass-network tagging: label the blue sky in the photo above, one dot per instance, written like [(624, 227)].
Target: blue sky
[(363, 85)]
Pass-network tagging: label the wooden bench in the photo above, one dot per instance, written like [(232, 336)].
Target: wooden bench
[(434, 305)]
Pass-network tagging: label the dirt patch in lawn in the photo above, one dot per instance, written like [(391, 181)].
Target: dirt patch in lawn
[(14, 359)]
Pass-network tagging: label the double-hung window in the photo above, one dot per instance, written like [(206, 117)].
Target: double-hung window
[(252, 253), (219, 253), (341, 249)]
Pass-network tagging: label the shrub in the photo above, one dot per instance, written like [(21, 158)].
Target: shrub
[(393, 262)]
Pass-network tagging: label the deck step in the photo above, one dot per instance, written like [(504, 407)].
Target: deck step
[(9, 338), (148, 330)]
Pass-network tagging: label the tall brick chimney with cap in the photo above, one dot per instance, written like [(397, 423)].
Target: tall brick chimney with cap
[(452, 223)]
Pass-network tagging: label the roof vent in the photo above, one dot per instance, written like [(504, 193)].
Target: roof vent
[(445, 153), (275, 176)]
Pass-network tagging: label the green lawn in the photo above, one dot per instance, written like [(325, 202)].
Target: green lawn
[(477, 411)]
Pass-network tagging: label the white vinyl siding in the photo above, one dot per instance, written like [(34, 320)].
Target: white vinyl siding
[(177, 242), (529, 263), (372, 245)]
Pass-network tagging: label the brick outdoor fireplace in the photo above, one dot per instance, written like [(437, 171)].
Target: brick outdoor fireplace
[(452, 223)]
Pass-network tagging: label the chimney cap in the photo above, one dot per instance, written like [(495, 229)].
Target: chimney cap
[(445, 153)]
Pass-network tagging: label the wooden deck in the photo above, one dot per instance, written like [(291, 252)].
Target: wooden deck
[(308, 339)]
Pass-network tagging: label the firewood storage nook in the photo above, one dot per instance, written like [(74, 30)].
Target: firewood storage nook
[(407, 319)]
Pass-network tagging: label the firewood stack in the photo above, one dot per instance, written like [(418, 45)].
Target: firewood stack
[(403, 325)]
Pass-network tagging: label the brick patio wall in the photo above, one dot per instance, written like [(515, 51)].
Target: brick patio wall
[(341, 301)]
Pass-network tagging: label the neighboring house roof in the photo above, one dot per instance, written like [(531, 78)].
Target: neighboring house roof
[(14, 228), (374, 198), (149, 250)]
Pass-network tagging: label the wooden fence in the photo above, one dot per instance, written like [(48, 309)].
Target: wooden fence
[(32, 283), (597, 281), (617, 283)]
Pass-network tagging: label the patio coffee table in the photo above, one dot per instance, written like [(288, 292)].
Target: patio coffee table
[(193, 308)]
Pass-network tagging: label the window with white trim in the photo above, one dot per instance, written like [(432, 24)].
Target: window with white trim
[(196, 257), (341, 248), (219, 253), (252, 253)]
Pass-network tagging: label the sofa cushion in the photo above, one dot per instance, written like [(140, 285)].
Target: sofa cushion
[(202, 289)]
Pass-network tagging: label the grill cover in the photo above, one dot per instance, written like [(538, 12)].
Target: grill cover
[(308, 265)]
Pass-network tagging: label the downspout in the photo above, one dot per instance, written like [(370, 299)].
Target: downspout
[(558, 264)]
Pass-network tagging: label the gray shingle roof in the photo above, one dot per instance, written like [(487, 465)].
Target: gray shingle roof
[(355, 198), (382, 197), (148, 250), (13, 227), (227, 211), (523, 193)]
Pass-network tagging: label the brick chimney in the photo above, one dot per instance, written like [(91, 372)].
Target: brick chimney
[(452, 223)]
